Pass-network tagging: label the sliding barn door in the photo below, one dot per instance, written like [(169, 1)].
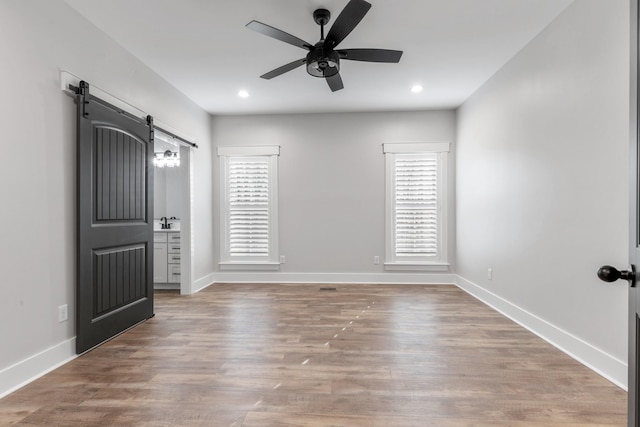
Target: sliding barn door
[(115, 221)]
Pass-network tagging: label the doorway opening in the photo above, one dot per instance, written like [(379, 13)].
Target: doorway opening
[(172, 213)]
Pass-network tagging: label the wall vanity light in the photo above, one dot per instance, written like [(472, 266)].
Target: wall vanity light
[(169, 159)]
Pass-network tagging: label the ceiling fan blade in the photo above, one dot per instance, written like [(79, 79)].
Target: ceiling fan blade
[(350, 16), (371, 55), (275, 33), (335, 82), (285, 68)]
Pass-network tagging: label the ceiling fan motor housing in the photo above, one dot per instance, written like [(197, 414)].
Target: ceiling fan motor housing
[(322, 62)]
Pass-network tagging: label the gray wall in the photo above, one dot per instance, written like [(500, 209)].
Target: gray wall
[(38, 38), (331, 188), (542, 176)]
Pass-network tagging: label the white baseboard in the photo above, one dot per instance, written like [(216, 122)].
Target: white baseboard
[(203, 282), (166, 286), (33, 367), (604, 364), (334, 278)]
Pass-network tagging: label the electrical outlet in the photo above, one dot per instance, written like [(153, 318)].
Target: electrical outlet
[(376, 260), (282, 259), (63, 313), (490, 273)]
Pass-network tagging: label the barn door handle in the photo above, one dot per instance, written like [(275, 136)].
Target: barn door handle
[(611, 274)]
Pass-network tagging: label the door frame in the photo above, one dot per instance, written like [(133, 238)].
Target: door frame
[(186, 220), (634, 210)]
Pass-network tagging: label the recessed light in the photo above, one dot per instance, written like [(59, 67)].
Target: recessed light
[(243, 94), (416, 88)]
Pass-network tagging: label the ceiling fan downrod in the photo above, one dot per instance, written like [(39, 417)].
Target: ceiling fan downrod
[(322, 62), (321, 17)]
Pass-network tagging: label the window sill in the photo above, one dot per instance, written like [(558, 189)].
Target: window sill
[(414, 266), (247, 266)]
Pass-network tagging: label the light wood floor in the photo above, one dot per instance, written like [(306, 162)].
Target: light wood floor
[(293, 355)]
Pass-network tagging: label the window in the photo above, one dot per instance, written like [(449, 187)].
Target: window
[(416, 202), (249, 201)]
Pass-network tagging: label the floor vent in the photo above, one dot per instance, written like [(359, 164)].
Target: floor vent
[(328, 289)]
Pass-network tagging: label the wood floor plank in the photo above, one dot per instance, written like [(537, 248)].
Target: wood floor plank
[(293, 355)]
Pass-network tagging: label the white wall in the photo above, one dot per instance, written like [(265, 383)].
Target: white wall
[(542, 183), (166, 192), (173, 208), (38, 38), (159, 193), (331, 187)]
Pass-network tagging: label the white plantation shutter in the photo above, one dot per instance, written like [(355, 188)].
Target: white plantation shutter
[(416, 207), (248, 207)]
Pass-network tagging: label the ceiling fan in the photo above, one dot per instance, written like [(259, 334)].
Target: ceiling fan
[(323, 60)]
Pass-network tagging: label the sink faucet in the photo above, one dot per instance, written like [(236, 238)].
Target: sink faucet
[(163, 223)]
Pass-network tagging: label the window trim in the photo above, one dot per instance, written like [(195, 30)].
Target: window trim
[(441, 150), (271, 262)]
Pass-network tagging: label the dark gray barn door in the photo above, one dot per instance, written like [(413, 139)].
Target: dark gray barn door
[(115, 221)]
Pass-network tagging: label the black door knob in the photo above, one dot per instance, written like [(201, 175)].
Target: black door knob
[(611, 274)]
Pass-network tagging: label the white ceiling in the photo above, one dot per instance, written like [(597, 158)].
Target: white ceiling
[(202, 48)]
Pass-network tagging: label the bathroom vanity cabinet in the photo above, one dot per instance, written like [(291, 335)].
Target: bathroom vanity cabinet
[(166, 257)]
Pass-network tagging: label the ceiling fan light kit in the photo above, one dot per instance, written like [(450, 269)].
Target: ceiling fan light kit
[(323, 60)]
